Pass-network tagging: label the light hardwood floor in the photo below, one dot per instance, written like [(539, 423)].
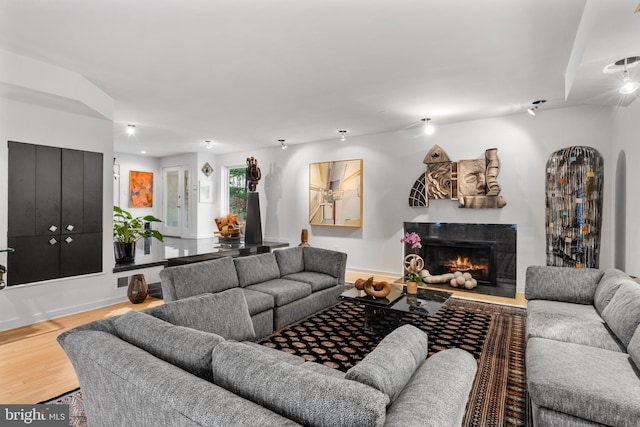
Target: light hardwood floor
[(34, 368)]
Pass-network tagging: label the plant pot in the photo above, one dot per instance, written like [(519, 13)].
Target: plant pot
[(412, 288), (137, 290), (124, 252)]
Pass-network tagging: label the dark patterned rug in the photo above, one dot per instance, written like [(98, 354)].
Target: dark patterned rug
[(336, 337)]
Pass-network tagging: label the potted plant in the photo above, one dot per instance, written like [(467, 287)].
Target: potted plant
[(127, 230), (413, 263)]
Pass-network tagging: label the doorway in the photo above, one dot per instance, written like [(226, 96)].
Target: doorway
[(176, 201)]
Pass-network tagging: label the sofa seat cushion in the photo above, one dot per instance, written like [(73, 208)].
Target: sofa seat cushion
[(568, 322), (187, 348), (318, 281), (622, 314), (283, 291), (586, 382), (290, 260), (224, 313), (607, 287), (302, 395), (258, 301), (256, 269), (203, 277), (391, 364)]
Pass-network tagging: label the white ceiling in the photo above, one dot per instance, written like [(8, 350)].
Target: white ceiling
[(246, 73)]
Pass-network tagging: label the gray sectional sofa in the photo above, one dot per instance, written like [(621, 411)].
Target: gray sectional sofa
[(280, 287), (192, 362), (583, 347)]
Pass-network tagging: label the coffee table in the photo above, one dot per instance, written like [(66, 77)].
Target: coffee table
[(385, 314)]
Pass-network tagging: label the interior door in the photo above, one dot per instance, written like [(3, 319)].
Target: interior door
[(176, 201)]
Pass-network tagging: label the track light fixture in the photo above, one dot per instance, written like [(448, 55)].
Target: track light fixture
[(131, 129), (284, 146), (535, 105), (629, 86), (429, 129), (209, 144), (343, 134)]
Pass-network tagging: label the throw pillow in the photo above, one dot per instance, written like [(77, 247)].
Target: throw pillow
[(622, 314), (200, 278), (290, 260), (187, 348), (607, 287), (304, 396), (225, 313), (390, 366), (256, 269)]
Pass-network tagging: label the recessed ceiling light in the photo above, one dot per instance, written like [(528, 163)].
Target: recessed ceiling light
[(429, 129), (284, 146), (619, 65), (143, 152), (343, 134), (131, 129), (209, 143), (535, 106)]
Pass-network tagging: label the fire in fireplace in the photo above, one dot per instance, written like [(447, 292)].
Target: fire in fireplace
[(448, 256)]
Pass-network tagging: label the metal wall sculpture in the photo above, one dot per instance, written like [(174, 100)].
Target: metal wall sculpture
[(474, 183), (574, 207), (253, 227)]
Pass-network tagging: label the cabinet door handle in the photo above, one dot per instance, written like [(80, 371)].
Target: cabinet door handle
[(70, 227), (53, 228), (68, 240), (52, 241)]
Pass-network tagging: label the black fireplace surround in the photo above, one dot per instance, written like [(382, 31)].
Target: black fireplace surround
[(486, 251)]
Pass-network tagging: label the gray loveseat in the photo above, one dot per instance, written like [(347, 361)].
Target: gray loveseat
[(583, 347), (192, 363), (280, 287)]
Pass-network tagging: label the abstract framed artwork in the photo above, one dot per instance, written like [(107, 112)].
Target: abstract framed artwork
[(335, 193), (140, 189), (207, 193)]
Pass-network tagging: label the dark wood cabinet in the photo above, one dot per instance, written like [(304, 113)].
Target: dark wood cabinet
[(55, 213)]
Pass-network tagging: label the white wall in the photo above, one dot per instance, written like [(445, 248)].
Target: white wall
[(26, 304), (393, 161), (624, 159), (207, 212)]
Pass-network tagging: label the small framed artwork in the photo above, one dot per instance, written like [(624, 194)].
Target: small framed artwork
[(207, 192), (335, 193), (140, 189), (207, 169)]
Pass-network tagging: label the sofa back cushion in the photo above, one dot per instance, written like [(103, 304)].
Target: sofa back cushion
[(224, 313), (186, 348), (325, 261), (567, 284), (199, 278), (390, 366), (256, 269), (622, 314), (608, 286), (634, 348), (307, 397), (290, 261)]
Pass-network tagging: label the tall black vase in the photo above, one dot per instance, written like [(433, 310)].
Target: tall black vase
[(253, 228)]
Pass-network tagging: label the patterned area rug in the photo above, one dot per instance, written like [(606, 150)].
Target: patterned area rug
[(336, 337)]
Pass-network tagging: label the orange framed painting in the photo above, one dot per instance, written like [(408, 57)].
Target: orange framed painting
[(140, 189)]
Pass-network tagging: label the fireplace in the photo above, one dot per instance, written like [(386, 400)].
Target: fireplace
[(486, 251)]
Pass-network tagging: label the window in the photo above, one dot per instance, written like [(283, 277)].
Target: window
[(238, 192)]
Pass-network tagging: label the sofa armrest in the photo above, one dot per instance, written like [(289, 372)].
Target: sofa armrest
[(575, 285), (326, 261)]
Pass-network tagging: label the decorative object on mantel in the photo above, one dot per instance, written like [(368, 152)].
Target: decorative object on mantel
[(207, 169), (335, 193), (253, 230), (574, 207), (137, 290), (474, 183), (304, 238), (127, 230), (228, 228)]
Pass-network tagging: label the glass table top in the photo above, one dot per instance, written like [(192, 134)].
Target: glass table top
[(427, 302)]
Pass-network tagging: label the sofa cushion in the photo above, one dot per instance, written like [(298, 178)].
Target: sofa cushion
[(283, 291), (622, 314), (224, 313), (302, 395), (565, 284), (203, 277), (608, 286), (290, 260), (318, 281), (289, 358), (258, 301), (324, 261), (634, 348), (568, 322), (391, 364), (586, 382), (256, 269), (187, 348), (322, 369)]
